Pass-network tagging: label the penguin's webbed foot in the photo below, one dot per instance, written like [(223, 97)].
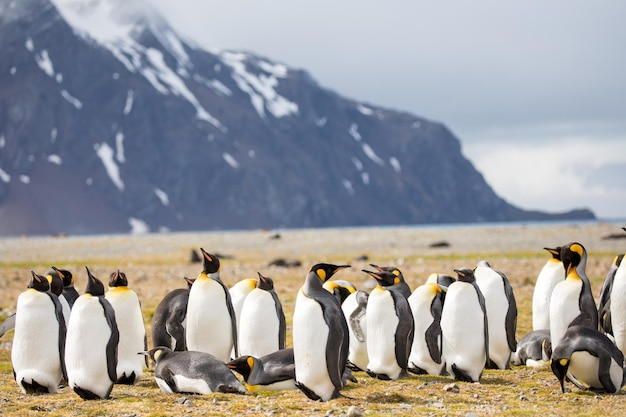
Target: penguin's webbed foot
[(461, 375)]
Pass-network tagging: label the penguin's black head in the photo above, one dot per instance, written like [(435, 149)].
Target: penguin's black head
[(572, 255), (265, 283), (445, 280), (95, 287), (559, 369), (211, 262), (341, 292), (65, 275), (385, 278), (156, 353), (325, 271), (118, 279), (56, 283), (394, 270), (189, 281), (242, 365), (38, 282), (555, 252), (465, 275)]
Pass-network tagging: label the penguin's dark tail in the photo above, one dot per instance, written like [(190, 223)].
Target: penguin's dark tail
[(461, 375), (86, 394), (127, 379)]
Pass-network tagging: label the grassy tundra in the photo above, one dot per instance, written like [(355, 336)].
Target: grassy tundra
[(156, 264)]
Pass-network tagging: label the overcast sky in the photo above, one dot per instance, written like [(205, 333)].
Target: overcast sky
[(534, 90)]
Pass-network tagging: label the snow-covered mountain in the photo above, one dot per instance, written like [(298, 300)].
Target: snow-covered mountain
[(110, 121)]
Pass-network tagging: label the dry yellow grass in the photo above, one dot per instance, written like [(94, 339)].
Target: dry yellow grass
[(155, 264)]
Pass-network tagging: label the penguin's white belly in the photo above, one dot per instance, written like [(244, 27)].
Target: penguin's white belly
[(310, 335), (193, 385), (496, 305), (420, 355), (564, 308), (551, 274), (209, 326), (358, 348), (131, 329), (463, 333), (618, 308), (65, 306), (584, 367), (381, 330), (85, 348), (259, 325), (35, 353)]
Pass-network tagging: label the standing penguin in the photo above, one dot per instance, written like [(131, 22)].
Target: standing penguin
[(168, 321), (572, 301), (320, 336), (389, 328), (38, 349), (69, 291), (589, 359), (91, 344), (262, 324), (618, 307), (604, 302), (551, 274), (501, 313), (465, 329), (131, 329), (56, 288), (426, 304), (354, 309), (192, 372), (211, 320), (399, 284), (340, 288)]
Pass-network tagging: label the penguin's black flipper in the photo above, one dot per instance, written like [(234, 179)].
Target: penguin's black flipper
[(308, 392), (511, 314), (433, 333), (7, 325), (174, 327)]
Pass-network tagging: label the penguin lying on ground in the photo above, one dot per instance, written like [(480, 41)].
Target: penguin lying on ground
[(274, 371), (589, 359), (192, 372), (534, 349)]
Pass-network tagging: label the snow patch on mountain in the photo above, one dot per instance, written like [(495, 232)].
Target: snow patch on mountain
[(106, 155)]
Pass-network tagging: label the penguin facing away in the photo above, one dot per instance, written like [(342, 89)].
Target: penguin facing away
[(340, 288), (38, 352), (168, 321), (192, 372), (604, 303), (211, 320), (399, 283), (272, 372), (354, 309), (320, 336), (465, 328), (551, 274), (69, 291), (589, 359), (91, 343), (262, 325), (132, 333), (389, 328), (238, 294), (426, 305), (501, 313), (572, 301), (534, 349)]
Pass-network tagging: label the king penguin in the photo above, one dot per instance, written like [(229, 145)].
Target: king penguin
[(501, 313), (340, 288), (211, 320), (69, 291), (132, 331), (262, 324), (192, 372), (354, 309), (399, 283), (551, 274), (168, 321), (320, 336), (389, 328), (91, 344), (534, 349), (618, 307), (273, 372), (572, 301), (604, 302), (426, 304), (589, 359), (56, 288), (465, 329), (38, 352)]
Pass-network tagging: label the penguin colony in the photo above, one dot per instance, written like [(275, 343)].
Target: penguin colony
[(206, 334)]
